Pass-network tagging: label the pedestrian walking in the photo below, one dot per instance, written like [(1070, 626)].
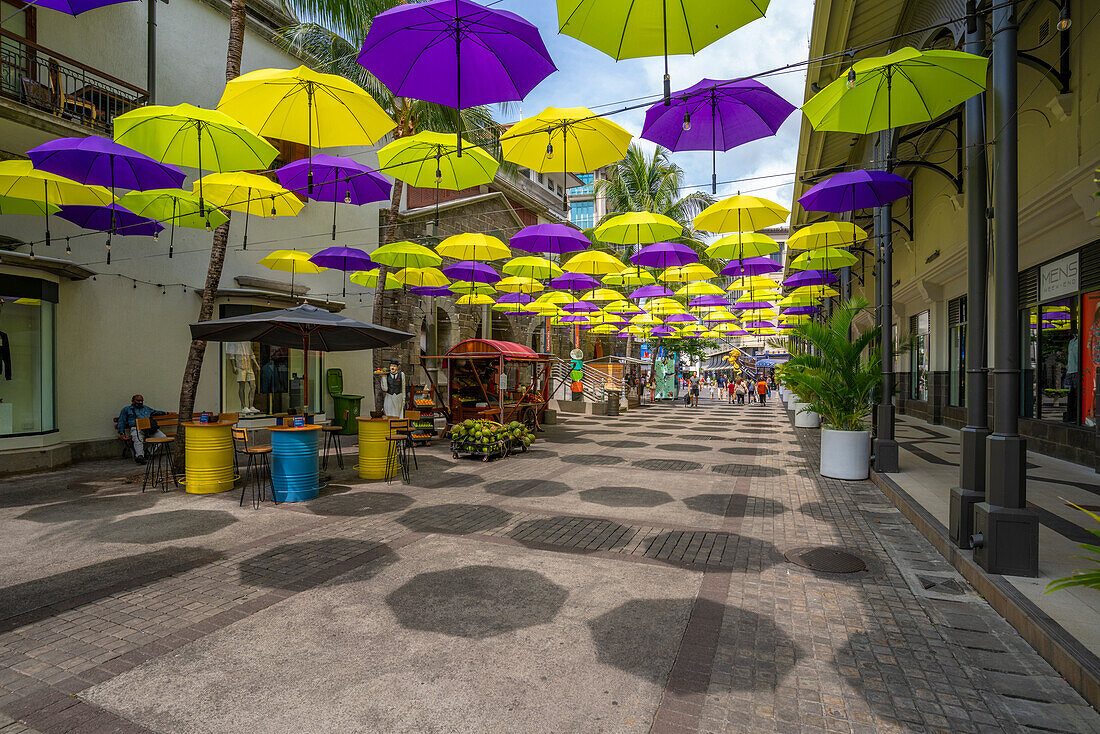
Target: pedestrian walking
[(762, 391), (696, 384), (731, 390), (739, 391)]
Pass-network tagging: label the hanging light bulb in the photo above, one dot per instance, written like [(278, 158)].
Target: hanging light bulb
[(347, 196), (549, 151), (851, 78), (68, 250), (155, 236), (272, 206), (687, 121), (109, 251), (438, 176), (207, 225), (1064, 21)]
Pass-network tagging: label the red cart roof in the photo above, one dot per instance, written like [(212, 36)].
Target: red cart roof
[(489, 347)]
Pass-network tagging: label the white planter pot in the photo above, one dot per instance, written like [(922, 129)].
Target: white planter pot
[(806, 419), (845, 454)]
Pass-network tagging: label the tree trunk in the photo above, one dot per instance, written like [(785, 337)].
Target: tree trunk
[(193, 369), (390, 235)]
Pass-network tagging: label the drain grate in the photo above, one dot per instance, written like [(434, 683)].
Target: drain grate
[(941, 585), (826, 560)]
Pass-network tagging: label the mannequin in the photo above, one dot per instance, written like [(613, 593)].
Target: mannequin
[(394, 388), (246, 367)]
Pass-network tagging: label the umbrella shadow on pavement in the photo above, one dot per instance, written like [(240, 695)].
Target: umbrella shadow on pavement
[(572, 534), (528, 488), (159, 527), (300, 566), (741, 552), (92, 508), (719, 504), (625, 496), (456, 519), (360, 504)]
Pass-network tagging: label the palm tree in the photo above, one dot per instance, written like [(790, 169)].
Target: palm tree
[(193, 368)]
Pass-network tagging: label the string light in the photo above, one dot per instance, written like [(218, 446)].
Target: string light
[(549, 151), (347, 196), (851, 78), (1064, 21), (687, 121), (68, 250)]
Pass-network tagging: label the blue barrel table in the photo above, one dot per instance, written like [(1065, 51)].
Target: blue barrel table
[(294, 462)]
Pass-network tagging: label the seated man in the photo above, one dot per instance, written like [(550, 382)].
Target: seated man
[(127, 425)]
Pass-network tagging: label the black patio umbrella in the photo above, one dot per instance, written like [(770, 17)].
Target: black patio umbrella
[(303, 326)]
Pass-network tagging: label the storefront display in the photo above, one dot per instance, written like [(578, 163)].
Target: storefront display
[(919, 356), (26, 355)]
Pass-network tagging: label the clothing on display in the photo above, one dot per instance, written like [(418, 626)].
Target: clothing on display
[(274, 377), (5, 356)]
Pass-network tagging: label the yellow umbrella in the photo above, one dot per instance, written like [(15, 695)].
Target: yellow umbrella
[(699, 288), (473, 246), (750, 282), (622, 307), (711, 334), (726, 327), (369, 279), (556, 297), (475, 300), (687, 273), (291, 261), (602, 295), (604, 329), (759, 294), (741, 245), (820, 235), (429, 159), (530, 266), (645, 319), (814, 291), (828, 258), (518, 284), (636, 330), (249, 193), (635, 228), (606, 318), (593, 262), (542, 308), (405, 255), (800, 300), (469, 288), (757, 314), (740, 213), (422, 277), (565, 139), (630, 278), (20, 180), (511, 308)]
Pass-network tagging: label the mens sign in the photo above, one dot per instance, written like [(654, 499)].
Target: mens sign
[(1059, 278)]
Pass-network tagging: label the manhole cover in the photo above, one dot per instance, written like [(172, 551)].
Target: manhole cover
[(826, 560)]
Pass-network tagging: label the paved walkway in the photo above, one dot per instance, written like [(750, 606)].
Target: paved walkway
[(628, 574)]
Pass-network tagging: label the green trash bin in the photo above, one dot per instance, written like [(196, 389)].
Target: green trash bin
[(343, 405)]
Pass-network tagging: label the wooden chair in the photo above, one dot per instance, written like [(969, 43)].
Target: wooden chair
[(398, 440), (332, 437), (233, 418), (160, 465), (65, 104), (258, 465)]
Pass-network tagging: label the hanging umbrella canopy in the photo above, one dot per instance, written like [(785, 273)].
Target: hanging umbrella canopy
[(853, 190), (470, 288), (901, 88), (635, 228), (664, 255), (814, 291), (347, 259), (475, 299), (112, 216), (573, 281), (629, 278), (751, 266), (517, 298), (305, 106), (552, 238), (472, 246), (103, 162), (829, 258), (472, 271), (75, 7), (430, 159), (10, 205), (740, 213), (645, 319), (336, 179), (172, 206), (185, 135), (650, 291), (602, 295), (519, 284), (565, 139), (711, 334), (422, 277), (573, 318), (555, 297), (300, 327), (751, 282), (680, 318), (249, 193), (291, 261), (708, 300), (699, 288), (751, 305), (687, 274), (606, 318), (579, 307), (741, 245), (509, 308), (622, 308), (532, 267), (431, 292), (727, 328), (455, 53), (593, 262), (406, 255), (369, 279), (810, 277), (820, 235), (799, 300), (800, 311), (18, 179), (541, 308), (605, 329), (719, 316)]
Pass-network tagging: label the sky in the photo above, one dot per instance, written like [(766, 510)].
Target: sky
[(587, 77)]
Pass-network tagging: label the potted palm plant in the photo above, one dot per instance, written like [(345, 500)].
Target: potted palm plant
[(834, 376)]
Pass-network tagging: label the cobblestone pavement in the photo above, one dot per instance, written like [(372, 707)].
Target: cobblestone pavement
[(627, 574)]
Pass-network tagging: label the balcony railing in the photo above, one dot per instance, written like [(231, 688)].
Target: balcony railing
[(51, 82)]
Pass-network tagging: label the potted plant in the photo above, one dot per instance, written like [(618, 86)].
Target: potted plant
[(834, 375)]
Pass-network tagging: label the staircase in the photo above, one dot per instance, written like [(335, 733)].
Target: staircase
[(594, 382)]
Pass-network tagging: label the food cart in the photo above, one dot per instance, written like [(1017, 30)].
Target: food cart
[(495, 380)]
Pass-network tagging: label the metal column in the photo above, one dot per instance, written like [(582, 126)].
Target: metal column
[(885, 447), (1006, 532), (971, 489), (151, 52)]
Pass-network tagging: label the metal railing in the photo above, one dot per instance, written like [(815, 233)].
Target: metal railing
[(46, 80), (595, 382)]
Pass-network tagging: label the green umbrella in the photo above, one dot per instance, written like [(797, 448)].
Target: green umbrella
[(176, 206), (15, 205), (405, 255), (902, 88), (828, 258), (630, 29)]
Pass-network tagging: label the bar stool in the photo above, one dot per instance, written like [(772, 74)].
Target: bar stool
[(398, 440), (332, 437), (160, 465), (258, 464)]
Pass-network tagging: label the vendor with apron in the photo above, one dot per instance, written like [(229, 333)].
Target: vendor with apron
[(394, 389)]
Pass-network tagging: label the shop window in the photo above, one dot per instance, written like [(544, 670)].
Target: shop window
[(1090, 356), (1029, 375), (259, 379), (26, 356), (918, 358), (956, 320), (1059, 361)]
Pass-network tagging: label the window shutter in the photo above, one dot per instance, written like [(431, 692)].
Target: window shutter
[(956, 311), (1090, 267), (1028, 287)]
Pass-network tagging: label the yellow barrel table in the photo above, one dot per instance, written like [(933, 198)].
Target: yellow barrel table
[(209, 448), (373, 447)]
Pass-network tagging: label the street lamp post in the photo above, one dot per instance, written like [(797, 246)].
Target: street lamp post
[(886, 447)]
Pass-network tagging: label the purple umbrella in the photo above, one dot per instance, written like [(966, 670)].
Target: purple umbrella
[(717, 320), (573, 317), (433, 291), (455, 53), (677, 318), (651, 291), (716, 115), (347, 259), (711, 299), (739, 332), (624, 334), (74, 7), (472, 271), (810, 277), (852, 190), (580, 307), (800, 311), (520, 298), (101, 162), (664, 255), (108, 218), (661, 331), (788, 326), (335, 179), (760, 325), (571, 281), (751, 266), (746, 305), (554, 239)]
